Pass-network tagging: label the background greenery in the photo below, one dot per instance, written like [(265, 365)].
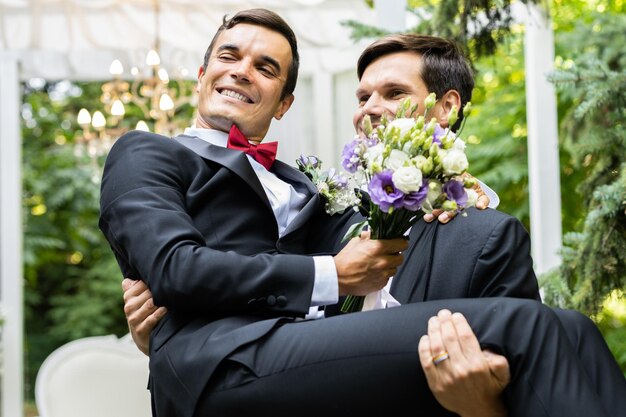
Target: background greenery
[(72, 282)]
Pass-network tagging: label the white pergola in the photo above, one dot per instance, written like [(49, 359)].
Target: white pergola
[(78, 39)]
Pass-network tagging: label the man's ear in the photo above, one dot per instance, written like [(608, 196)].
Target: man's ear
[(283, 106), (444, 105), (200, 75)]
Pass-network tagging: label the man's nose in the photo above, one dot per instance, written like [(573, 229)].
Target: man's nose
[(373, 107), (242, 71)]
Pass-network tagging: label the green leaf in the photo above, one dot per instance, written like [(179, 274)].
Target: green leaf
[(355, 230)]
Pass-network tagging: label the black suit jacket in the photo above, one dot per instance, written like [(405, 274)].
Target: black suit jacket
[(485, 253), (193, 221)]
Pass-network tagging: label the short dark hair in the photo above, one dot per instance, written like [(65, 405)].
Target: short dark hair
[(270, 20), (445, 67)]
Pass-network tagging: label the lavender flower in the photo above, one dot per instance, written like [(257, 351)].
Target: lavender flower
[(439, 133), (310, 161), (350, 156), (383, 193), (456, 191), (413, 201)]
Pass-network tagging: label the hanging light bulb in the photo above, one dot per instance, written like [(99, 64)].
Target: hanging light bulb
[(166, 103), (141, 125), (117, 108), (152, 59), (147, 92), (83, 118), (116, 68), (98, 121), (165, 78)]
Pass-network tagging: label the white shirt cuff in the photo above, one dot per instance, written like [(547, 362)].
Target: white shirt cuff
[(494, 200), (326, 286)]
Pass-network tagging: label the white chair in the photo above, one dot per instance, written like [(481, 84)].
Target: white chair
[(99, 376)]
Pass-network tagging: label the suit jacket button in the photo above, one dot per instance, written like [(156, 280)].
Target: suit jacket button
[(281, 300), (271, 300)]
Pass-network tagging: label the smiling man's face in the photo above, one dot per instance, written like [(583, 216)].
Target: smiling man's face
[(243, 81)]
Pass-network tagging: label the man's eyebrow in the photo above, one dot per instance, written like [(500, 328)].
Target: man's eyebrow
[(265, 58), (360, 92), (228, 47), (387, 85), (395, 84), (271, 61)]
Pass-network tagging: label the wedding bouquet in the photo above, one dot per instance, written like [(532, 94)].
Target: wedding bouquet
[(408, 166)]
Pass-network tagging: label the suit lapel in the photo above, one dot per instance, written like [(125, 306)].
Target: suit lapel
[(302, 184), (410, 284), (235, 161), (295, 177)]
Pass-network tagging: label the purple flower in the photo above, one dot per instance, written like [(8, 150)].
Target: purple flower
[(455, 191), (341, 181), (337, 180), (371, 140), (309, 161), (350, 156), (383, 193), (438, 134), (413, 201)]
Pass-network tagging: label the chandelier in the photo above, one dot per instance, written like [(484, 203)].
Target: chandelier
[(149, 89)]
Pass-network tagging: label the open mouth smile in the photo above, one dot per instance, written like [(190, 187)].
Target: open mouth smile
[(233, 94)]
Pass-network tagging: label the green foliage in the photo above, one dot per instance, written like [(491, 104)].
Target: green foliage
[(72, 281), (497, 143), (611, 321), (477, 25), (594, 81), (62, 244)]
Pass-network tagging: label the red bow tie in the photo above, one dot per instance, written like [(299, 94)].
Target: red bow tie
[(263, 153)]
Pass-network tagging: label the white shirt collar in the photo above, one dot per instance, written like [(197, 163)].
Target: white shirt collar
[(214, 137)]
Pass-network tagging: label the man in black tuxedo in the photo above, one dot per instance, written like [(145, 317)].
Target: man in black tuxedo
[(192, 220), (483, 254)]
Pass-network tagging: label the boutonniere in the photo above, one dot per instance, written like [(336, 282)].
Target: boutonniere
[(334, 187)]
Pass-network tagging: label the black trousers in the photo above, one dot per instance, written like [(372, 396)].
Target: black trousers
[(366, 364)]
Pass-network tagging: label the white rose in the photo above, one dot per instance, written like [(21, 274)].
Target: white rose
[(396, 159), (404, 124), (374, 155), (472, 197), (459, 144), (407, 179), (455, 162)]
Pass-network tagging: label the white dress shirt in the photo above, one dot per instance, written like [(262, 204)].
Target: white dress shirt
[(286, 203)]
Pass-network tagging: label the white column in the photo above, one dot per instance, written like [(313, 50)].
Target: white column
[(11, 276), (391, 14), (543, 151)]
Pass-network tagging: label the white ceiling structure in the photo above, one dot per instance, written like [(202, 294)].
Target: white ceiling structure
[(78, 39)]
